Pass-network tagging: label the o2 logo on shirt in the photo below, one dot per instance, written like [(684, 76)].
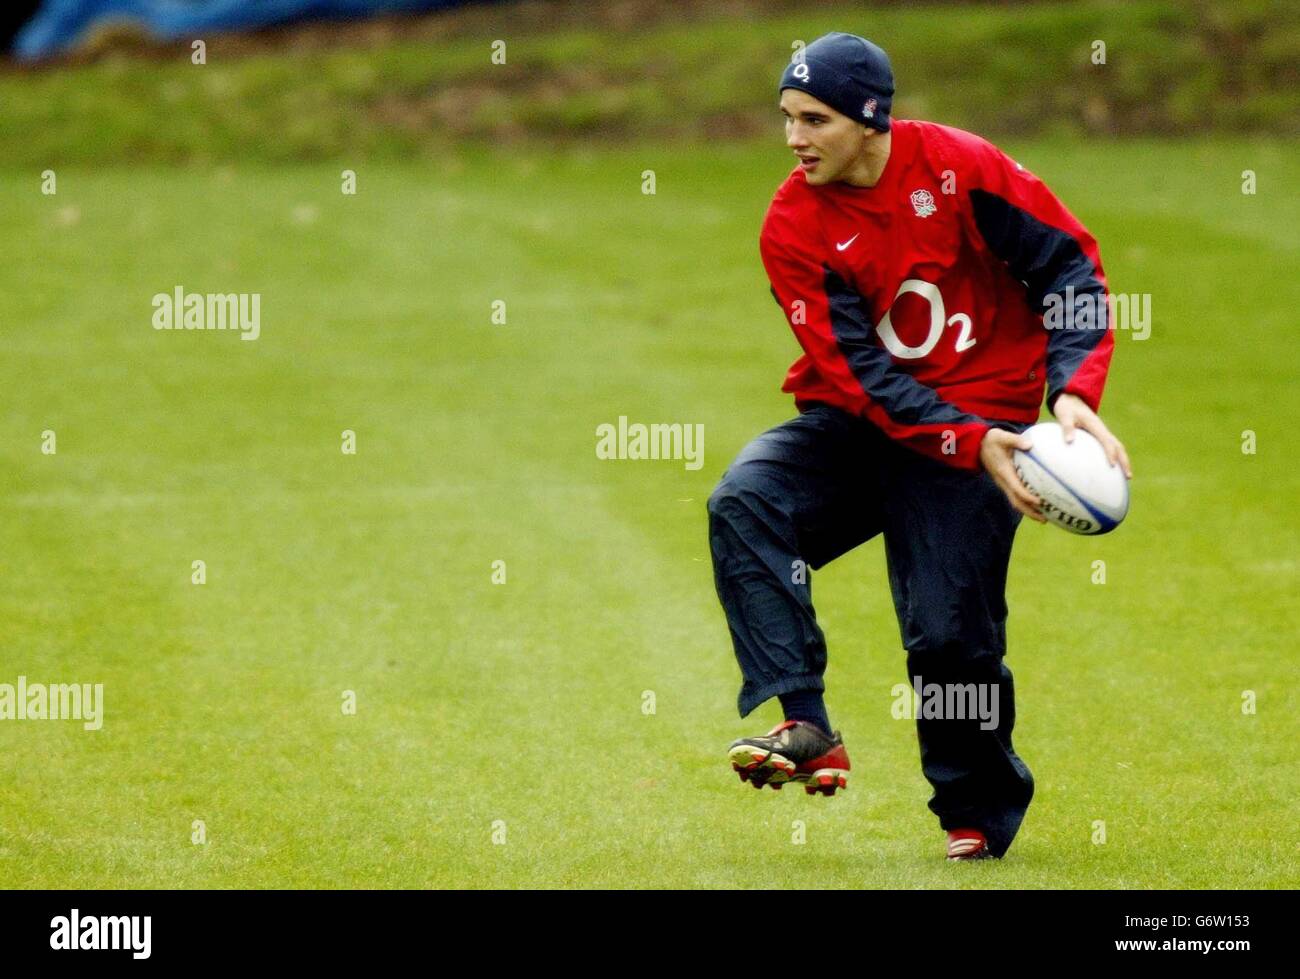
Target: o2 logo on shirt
[(934, 299)]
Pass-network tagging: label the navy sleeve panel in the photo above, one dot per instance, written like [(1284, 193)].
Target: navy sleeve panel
[(1048, 261), (904, 399)]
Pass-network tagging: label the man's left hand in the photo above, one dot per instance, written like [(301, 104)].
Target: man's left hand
[(1071, 411)]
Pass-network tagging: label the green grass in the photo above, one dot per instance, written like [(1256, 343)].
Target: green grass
[(1022, 68), (522, 702)]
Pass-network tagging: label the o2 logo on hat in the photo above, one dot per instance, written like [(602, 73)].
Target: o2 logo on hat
[(869, 109), (923, 203), (801, 71)]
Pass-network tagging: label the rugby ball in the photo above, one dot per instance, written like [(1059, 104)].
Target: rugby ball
[(1081, 491)]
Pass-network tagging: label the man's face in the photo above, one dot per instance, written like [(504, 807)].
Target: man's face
[(826, 142)]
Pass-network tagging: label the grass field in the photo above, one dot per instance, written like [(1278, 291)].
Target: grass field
[(645, 68), (522, 702)]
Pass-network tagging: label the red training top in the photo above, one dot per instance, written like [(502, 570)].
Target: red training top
[(919, 302)]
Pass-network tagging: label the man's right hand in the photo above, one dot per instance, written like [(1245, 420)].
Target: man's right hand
[(995, 457)]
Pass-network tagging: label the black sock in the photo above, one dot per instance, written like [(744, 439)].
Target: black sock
[(806, 705)]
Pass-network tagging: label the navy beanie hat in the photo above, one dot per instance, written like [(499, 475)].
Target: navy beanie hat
[(848, 73)]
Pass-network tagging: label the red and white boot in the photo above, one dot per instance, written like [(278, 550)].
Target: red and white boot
[(967, 844), (793, 751)]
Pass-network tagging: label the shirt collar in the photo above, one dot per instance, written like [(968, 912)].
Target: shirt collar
[(902, 147)]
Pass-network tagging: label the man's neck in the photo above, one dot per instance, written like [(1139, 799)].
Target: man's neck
[(866, 172)]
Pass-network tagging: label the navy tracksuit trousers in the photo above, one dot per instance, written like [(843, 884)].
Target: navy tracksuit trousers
[(816, 487)]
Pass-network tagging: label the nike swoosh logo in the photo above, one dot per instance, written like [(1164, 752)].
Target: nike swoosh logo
[(840, 247)]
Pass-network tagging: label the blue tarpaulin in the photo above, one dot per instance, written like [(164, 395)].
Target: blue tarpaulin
[(59, 25)]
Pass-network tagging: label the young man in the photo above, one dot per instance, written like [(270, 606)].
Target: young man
[(913, 262)]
